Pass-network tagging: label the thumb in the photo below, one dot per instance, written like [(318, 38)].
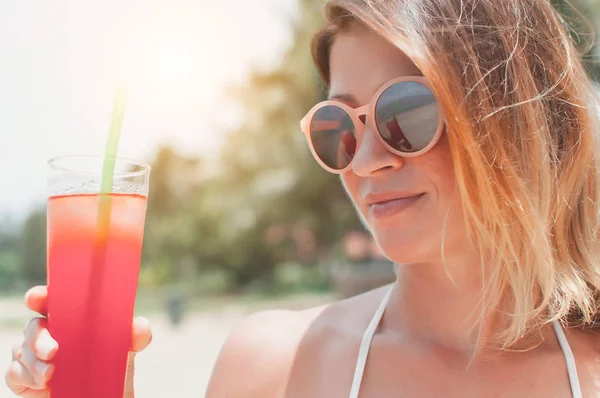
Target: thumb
[(141, 334), (141, 338)]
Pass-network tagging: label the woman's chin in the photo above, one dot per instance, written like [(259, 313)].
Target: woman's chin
[(404, 251)]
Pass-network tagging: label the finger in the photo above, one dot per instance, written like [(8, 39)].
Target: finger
[(142, 334), (39, 370), (39, 340), (36, 299), (18, 378)]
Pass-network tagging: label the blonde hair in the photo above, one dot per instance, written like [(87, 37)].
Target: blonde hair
[(521, 117)]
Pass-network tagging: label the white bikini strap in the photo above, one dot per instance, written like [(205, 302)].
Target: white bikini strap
[(365, 344), (570, 360)]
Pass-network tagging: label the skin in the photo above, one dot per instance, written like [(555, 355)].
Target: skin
[(424, 346)]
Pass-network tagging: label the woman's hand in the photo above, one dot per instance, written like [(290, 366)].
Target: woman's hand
[(32, 367)]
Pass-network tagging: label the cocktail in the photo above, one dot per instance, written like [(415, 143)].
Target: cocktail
[(94, 251)]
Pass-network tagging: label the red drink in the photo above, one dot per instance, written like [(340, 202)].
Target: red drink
[(92, 280)]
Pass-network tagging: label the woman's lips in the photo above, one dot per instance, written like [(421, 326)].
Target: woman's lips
[(392, 207)]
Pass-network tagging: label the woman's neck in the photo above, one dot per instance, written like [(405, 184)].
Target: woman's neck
[(441, 305)]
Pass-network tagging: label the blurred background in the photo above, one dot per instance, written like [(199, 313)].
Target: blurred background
[(240, 218)]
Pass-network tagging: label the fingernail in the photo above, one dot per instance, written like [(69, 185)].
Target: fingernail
[(46, 345), (142, 322)]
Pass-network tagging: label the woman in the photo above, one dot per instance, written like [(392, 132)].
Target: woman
[(465, 134)]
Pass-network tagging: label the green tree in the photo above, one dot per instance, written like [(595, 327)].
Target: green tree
[(270, 162), (32, 248), (169, 235), (10, 263), (266, 176)]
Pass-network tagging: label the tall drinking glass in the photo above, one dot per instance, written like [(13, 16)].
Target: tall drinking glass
[(94, 251)]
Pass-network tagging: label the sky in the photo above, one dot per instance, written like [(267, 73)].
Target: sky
[(62, 60)]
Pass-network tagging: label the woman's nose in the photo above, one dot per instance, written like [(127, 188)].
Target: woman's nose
[(371, 156)]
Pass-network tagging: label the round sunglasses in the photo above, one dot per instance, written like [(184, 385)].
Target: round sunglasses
[(404, 112)]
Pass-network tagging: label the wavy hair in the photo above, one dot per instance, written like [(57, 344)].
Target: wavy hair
[(522, 123)]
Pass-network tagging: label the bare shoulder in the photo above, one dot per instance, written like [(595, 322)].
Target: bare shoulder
[(586, 349), (256, 356), (259, 355), (329, 346), (347, 317)]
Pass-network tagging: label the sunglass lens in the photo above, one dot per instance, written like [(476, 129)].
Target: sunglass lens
[(407, 116), (333, 136)]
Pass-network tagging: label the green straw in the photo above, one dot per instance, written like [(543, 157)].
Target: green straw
[(95, 284), (108, 167), (112, 144)]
